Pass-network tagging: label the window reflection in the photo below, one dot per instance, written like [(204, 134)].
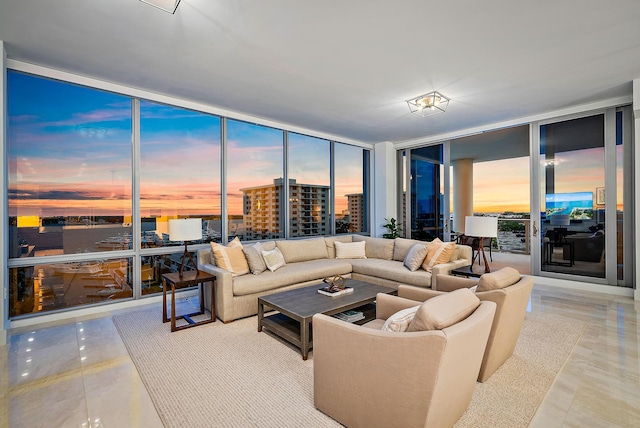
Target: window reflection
[(153, 267), (52, 286)]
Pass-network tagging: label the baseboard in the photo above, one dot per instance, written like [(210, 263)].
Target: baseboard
[(587, 286)]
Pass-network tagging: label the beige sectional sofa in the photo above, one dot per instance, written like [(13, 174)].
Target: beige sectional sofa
[(310, 260)]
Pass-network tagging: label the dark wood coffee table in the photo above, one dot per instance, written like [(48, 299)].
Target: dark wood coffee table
[(296, 307)]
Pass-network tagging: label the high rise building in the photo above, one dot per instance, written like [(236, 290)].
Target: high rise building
[(308, 210)]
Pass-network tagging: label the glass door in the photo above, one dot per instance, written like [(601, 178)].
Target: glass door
[(572, 197), (428, 211)]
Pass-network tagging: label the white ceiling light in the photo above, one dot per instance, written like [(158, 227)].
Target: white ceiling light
[(424, 105), (166, 5)]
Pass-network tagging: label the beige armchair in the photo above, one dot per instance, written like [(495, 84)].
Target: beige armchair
[(365, 377), (508, 290)]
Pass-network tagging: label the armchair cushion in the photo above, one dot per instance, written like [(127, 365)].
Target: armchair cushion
[(444, 310), (499, 279), (400, 321)]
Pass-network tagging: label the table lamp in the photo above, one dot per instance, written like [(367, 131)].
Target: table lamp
[(481, 227), (185, 229)]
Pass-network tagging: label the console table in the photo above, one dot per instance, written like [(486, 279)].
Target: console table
[(188, 279)]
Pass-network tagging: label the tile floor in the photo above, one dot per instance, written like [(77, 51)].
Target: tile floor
[(78, 373)]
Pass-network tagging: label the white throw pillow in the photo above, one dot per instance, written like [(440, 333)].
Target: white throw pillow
[(400, 321), (350, 250), (273, 259), (415, 257)]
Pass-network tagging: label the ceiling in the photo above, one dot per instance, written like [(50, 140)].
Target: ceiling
[(344, 68)]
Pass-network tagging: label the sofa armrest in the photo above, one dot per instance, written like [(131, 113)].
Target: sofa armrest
[(450, 283), (387, 305), (445, 269), (418, 294), (224, 289), (204, 256)]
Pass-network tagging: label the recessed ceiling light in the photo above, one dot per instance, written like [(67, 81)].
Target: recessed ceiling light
[(166, 5)]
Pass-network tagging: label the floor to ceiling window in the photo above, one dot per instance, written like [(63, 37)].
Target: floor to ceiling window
[(427, 197), (89, 201), (179, 178), (351, 196), (309, 174), (254, 181), (572, 158), (69, 193)]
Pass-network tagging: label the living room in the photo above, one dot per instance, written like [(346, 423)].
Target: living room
[(337, 110)]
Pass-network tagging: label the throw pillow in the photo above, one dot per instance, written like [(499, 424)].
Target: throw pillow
[(253, 253), (499, 279), (444, 310), (230, 257), (400, 321), (235, 242), (350, 250), (273, 259), (415, 257), (438, 252)]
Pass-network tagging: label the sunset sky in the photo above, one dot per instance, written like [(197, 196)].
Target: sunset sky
[(70, 153)]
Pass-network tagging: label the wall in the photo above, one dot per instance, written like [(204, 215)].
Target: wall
[(4, 280), (384, 186)]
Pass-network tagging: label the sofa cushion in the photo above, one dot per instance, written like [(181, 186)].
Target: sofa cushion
[(253, 253), (444, 310), (293, 273), (499, 279), (273, 259), (391, 270), (301, 250), (438, 252), (350, 250), (400, 321), (230, 257), (376, 248), (415, 257), (401, 247), (329, 241)]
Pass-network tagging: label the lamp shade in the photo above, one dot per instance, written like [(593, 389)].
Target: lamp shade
[(481, 227), (185, 229), (559, 220)]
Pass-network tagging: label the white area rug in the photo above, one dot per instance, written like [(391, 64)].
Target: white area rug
[(229, 375)]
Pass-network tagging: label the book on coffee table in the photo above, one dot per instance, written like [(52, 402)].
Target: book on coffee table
[(350, 316), (327, 292)]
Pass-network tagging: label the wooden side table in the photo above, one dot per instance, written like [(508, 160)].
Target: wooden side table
[(189, 278)]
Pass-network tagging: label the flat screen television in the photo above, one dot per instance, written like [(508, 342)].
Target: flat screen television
[(577, 205)]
